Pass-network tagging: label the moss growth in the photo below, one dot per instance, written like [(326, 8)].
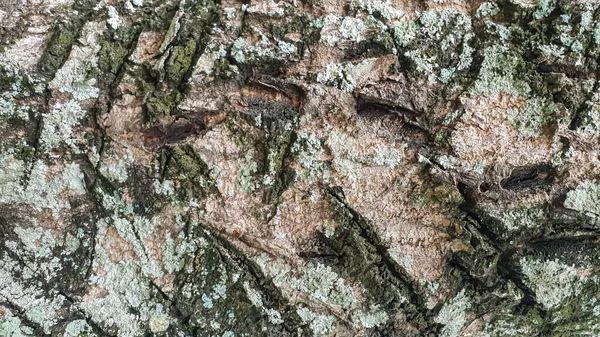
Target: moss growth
[(157, 14), (363, 257), (294, 25), (179, 62), (193, 171), (432, 194), (158, 103), (578, 317), (110, 59), (199, 17), (277, 147), (221, 290), (57, 50), (115, 49), (222, 69)]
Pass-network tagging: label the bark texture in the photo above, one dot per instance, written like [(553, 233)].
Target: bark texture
[(299, 168)]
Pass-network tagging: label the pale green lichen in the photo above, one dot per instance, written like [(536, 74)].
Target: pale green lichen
[(59, 123), (517, 219), (38, 240), (328, 229), (487, 9), (246, 180), (381, 7), (174, 254), (320, 284), (287, 48), (577, 46), (72, 177), (159, 323), (510, 328), (590, 115), (499, 72), (405, 260), (256, 299), (22, 55), (206, 62), (166, 187), (76, 328), (320, 324), (128, 304), (352, 28), (114, 203), (386, 156), (230, 12), (126, 290), (9, 104), (41, 192), (40, 308), (405, 32), (135, 232), (370, 319), (596, 34), (13, 327), (207, 302), (453, 315), (338, 75), (71, 244), (264, 49), (425, 64), (434, 24), (550, 51), (533, 117), (544, 8), (308, 149), (551, 281), (73, 76), (329, 32), (450, 31), (587, 19), (275, 10), (118, 172), (585, 198)]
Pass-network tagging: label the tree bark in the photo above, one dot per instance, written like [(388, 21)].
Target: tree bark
[(299, 168)]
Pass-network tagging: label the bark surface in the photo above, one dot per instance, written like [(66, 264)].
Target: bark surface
[(299, 168)]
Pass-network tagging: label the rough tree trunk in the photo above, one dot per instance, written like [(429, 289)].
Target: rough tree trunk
[(299, 168)]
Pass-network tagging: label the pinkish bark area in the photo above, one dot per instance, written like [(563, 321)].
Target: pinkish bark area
[(299, 168)]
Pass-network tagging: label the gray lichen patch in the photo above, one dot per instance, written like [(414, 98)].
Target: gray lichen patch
[(24, 55), (585, 198), (349, 76), (73, 76), (44, 189), (58, 125), (324, 288), (551, 281), (453, 315)]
